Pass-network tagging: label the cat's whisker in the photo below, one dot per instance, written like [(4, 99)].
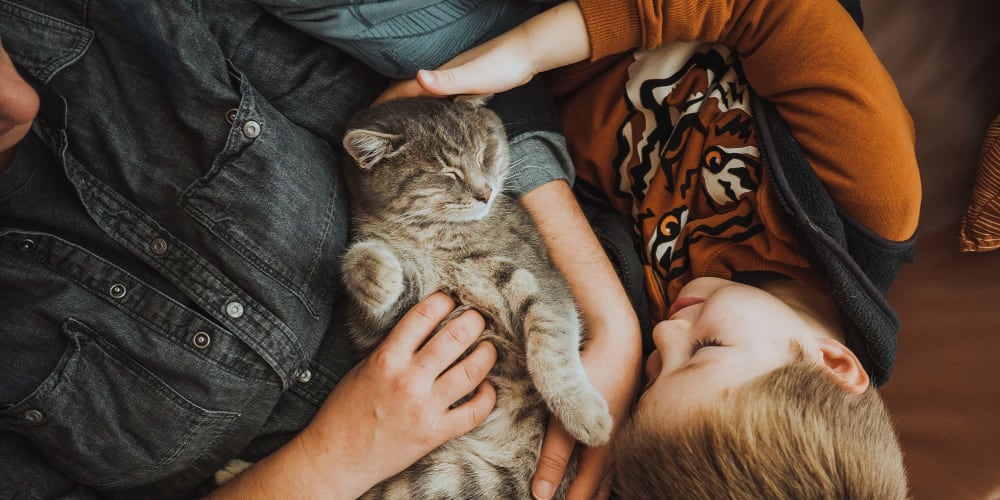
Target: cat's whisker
[(418, 214)]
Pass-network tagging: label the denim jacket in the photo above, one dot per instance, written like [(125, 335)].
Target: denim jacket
[(170, 234)]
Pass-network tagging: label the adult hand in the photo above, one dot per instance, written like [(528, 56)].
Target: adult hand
[(554, 38), (18, 107), (386, 413)]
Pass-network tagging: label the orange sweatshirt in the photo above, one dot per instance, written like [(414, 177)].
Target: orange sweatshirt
[(666, 134)]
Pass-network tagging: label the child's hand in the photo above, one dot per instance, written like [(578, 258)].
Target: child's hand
[(604, 364), (554, 38), (493, 67)]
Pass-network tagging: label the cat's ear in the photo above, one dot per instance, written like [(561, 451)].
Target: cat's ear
[(367, 147), (477, 100)]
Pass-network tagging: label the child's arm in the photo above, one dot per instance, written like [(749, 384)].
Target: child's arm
[(612, 355), (554, 38), (808, 57)]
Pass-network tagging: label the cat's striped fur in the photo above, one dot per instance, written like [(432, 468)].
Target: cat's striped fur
[(429, 214)]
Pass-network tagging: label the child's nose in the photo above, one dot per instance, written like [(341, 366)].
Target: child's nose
[(671, 339)]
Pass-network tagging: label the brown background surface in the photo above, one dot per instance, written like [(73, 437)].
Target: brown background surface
[(945, 391)]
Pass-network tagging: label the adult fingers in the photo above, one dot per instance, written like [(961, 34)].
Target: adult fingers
[(557, 448), (468, 415), (453, 339), (465, 375), (418, 323)]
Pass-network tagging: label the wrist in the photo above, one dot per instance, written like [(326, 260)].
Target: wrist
[(302, 468), (335, 462), (557, 37)]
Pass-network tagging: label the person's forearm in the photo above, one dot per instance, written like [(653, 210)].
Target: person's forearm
[(557, 37), (290, 473), (579, 256)]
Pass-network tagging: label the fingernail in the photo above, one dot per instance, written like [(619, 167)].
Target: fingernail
[(428, 77), (543, 490)]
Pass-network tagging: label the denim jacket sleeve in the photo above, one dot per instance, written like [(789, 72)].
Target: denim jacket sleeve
[(398, 37)]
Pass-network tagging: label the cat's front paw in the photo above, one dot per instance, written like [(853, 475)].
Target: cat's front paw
[(373, 276), (588, 420)]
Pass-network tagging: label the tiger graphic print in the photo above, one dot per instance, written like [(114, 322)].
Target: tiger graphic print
[(688, 143), (685, 164)]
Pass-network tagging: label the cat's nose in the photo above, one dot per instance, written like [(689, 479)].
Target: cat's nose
[(484, 196)]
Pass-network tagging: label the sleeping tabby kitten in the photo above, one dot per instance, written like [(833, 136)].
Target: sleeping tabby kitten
[(429, 215)]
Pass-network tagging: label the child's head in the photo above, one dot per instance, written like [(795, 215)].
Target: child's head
[(752, 395)]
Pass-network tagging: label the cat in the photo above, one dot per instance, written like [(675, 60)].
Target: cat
[(425, 178)]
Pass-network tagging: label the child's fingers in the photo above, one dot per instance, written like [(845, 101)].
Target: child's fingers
[(557, 448), (444, 82), (480, 76), (592, 474), (402, 89)]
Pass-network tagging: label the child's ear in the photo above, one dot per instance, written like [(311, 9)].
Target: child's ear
[(368, 147), (477, 100), (844, 366)]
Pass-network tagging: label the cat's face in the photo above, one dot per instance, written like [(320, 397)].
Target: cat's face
[(428, 160)]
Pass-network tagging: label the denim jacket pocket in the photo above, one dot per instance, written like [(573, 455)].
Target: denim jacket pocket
[(105, 420), (39, 43), (274, 195)]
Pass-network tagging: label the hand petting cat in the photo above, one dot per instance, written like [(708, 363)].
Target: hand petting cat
[(557, 37), (397, 399)]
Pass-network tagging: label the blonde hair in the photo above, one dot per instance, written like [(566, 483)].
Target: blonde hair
[(792, 433)]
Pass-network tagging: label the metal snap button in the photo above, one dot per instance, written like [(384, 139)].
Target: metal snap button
[(34, 417), (117, 290), (231, 115), (26, 245), (234, 309), (201, 340), (251, 129), (158, 246), (305, 376)]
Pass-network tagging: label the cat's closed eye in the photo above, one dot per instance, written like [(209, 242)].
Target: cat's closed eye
[(454, 174)]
